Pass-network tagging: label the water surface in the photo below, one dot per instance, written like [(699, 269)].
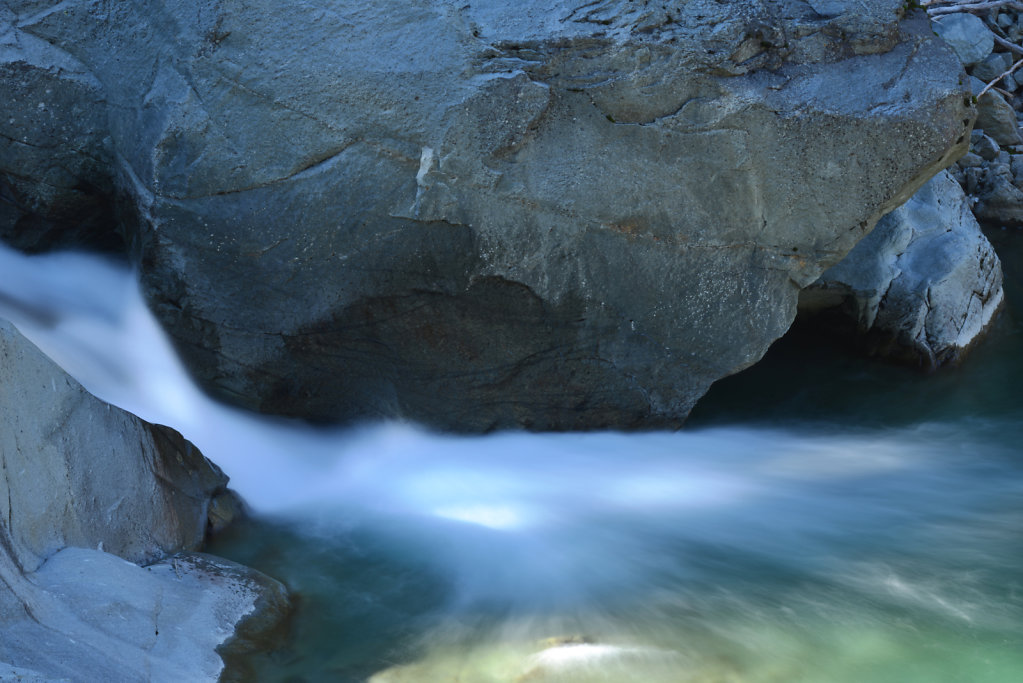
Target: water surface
[(823, 519)]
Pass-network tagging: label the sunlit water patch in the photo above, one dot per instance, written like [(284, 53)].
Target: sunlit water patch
[(818, 552)]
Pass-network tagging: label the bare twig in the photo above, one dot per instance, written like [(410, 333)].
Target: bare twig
[(1010, 46), (937, 11)]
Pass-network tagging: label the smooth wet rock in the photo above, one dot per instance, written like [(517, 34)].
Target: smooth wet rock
[(500, 214), (97, 617), (923, 286), (226, 507), (77, 471), (967, 35), (92, 493)]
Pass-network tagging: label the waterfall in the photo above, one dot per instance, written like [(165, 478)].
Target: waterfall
[(628, 534)]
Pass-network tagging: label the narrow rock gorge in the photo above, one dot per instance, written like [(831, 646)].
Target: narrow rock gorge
[(473, 216)]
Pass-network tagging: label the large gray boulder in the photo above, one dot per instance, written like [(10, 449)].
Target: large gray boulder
[(91, 495), (554, 215), (923, 286)]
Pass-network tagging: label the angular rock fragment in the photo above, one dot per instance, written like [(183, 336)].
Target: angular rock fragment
[(997, 119), (992, 66)]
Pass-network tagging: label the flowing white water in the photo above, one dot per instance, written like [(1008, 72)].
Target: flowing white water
[(659, 547)]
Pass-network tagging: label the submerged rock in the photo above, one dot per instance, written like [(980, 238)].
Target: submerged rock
[(494, 214), (561, 663), (596, 663), (96, 501), (923, 286)]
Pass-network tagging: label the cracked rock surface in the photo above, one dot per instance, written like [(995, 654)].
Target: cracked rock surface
[(556, 215), (88, 495), (923, 286)]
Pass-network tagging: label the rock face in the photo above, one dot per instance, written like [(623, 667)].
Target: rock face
[(923, 285), (552, 215), (57, 183), (92, 493)]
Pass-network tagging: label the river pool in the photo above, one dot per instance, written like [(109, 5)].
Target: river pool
[(822, 519)]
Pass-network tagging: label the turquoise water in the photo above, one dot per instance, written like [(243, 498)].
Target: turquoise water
[(823, 519)]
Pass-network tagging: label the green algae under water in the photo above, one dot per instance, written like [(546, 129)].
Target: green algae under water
[(841, 521)]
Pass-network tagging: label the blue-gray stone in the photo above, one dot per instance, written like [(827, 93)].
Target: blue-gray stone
[(967, 35), (924, 285)]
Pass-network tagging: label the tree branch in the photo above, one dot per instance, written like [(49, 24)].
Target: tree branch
[(935, 10)]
